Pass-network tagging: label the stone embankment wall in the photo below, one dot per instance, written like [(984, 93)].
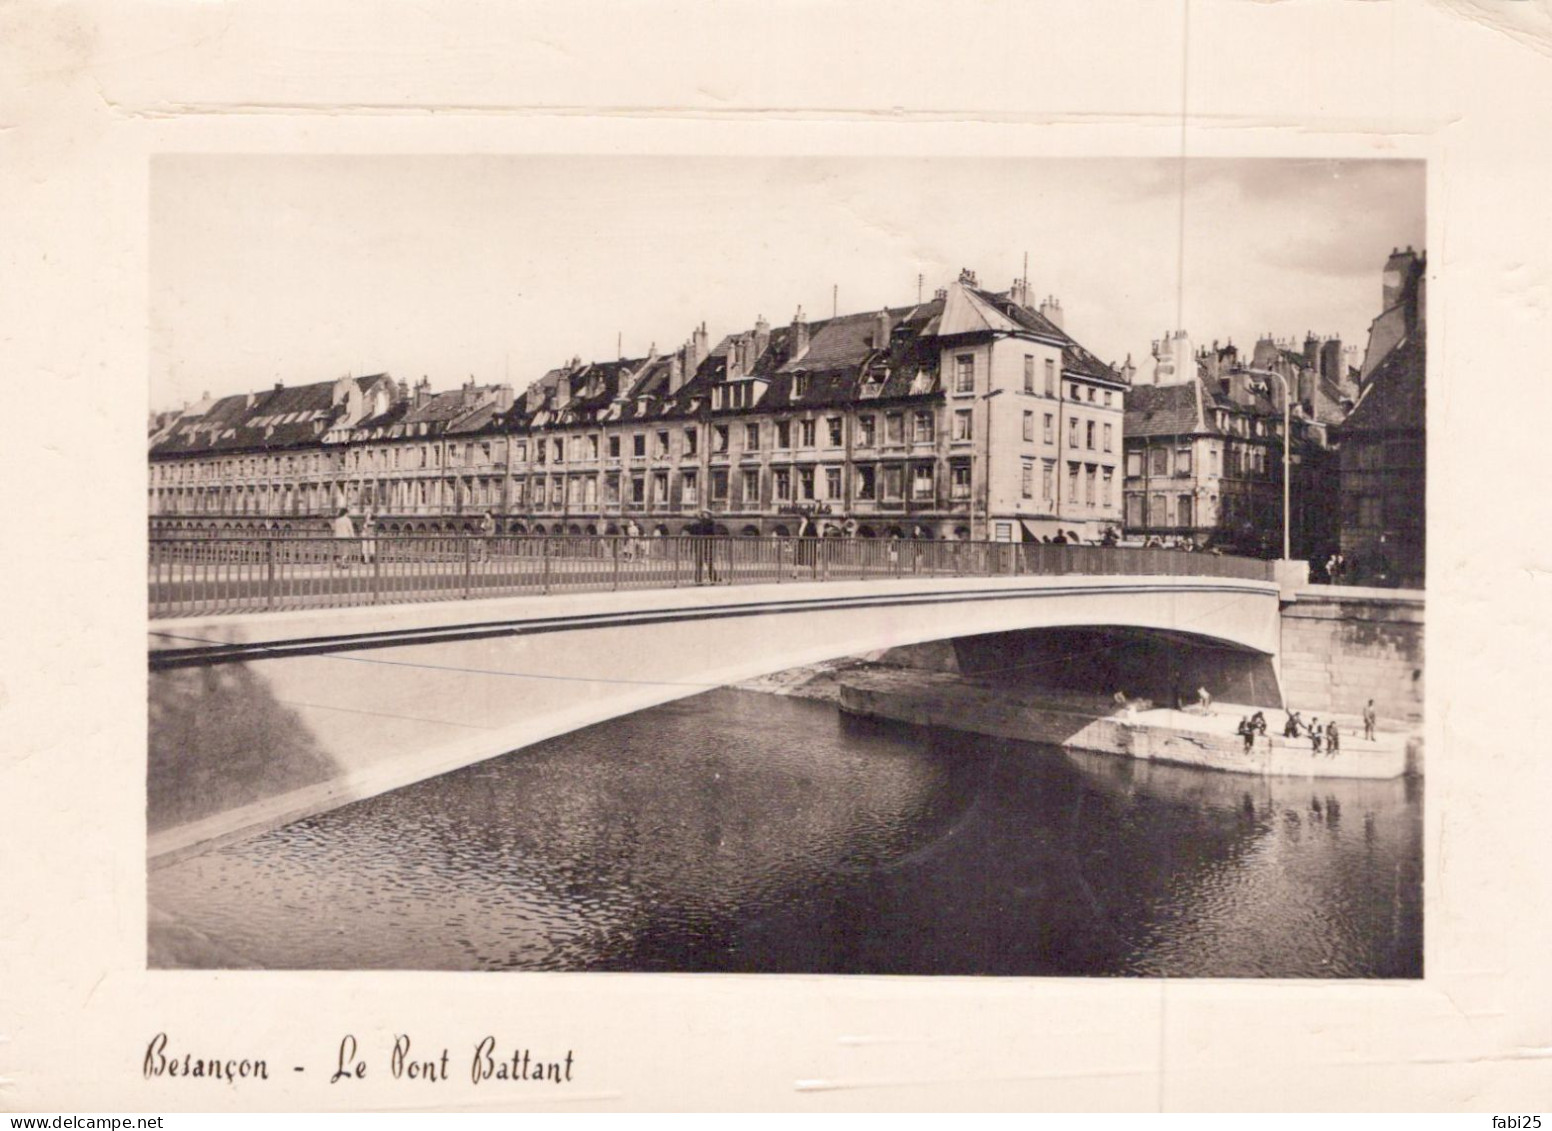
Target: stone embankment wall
[(1343, 646)]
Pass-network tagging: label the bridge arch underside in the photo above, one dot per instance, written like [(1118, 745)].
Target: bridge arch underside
[(305, 712), (1145, 663)]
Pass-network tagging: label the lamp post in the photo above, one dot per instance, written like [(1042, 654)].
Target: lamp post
[(986, 472), (1287, 459)]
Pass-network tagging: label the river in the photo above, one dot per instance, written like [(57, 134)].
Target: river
[(739, 831)]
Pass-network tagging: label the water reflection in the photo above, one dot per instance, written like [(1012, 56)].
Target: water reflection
[(737, 831)]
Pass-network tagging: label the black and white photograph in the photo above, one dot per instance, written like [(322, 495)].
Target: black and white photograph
[(788, 557), (994, 567)]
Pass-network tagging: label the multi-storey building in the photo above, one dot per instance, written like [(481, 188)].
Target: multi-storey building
[(973, 414), (1204, 447), (1383, 440)]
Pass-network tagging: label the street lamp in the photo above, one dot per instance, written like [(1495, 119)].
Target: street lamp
[(1287, 460), (986, 472)]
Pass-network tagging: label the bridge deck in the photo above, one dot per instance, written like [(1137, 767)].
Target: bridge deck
[(202, 576)]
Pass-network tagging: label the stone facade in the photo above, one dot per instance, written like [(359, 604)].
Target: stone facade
[(1344, 646)]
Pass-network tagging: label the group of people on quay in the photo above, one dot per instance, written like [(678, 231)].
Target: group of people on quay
[(1323, 738)]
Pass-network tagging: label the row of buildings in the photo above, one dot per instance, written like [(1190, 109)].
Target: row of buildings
[(972, 415)]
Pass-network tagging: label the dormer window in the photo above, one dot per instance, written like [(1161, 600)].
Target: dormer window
[(799, 385)]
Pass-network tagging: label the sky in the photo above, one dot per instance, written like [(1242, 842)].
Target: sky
[(306, 268)]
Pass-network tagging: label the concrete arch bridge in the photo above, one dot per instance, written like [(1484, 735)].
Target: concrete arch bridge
[(260, 719)]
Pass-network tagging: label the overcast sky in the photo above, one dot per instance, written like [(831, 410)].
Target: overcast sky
[(302, 269)]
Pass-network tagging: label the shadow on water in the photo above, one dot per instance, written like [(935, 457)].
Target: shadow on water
[(219, 739), (745, 832)]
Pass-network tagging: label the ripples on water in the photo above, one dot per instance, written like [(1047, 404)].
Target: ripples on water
[(743, 832)]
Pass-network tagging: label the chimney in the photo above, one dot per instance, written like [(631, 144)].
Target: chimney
[(1311, 350), (676, 369), (1019, 292), (762, 339), (700, 350), (422, 391), (1397, 270), (881, 330), (1051, 311), (967, 277), (279, 385), (1128, 370), (799, 336), (503, 398), (940, 294), (736, 357), (534, 397)]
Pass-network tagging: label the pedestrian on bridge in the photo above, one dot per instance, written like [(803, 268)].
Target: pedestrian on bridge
[(701, 533), (1368, 721), (344, 536)]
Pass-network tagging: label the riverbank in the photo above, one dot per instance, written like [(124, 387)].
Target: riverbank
[(1077, 722)]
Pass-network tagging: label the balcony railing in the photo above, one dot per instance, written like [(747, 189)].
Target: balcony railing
[(211, 575)]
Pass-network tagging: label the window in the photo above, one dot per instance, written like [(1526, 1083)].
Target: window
[(639, 445), (867, 483), (1108, 497), (805, 482), (691, 441), (612, 487), (833, 431), (783, 480), (719, 439), (1072, 483), (1134, 463), (592, 449), (1183, 461), (963, 425), (894, 483), (799, 385), (784, 433), (751, 485), (751, 437), (1029, 427), (1134, 516), (1048, 482), (805, 433), (1088, 435), (866, 431), (1212, 460), (662, 446), (1107, 398), (921, 481), (1029, 373), (921, 427), (1027, 479), (832, 483), (1158, 461), (1091, 394), (660, 487), (560, 452), (1107, 437), (959, 481), (614, 447), (1089, 477), (1183, 510), (1048, 433), (690, 487), (719, 484), (964, 373), (1158, 511), (894, 428), (519, 490), (557, 486), (1072, 431), (1370, 511), (1077, 394)]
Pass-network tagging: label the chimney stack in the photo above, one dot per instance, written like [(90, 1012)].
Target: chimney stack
[(799, 336), (422, 391), (881, 331), (1051, 311), (1019, 292), (762, 339), (503, 398), (1311, 350), (676, 369), (700, 350)]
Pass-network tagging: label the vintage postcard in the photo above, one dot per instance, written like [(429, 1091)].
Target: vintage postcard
[(663, 589)]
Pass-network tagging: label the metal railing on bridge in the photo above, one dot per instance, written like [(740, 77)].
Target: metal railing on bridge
[(207, 575)]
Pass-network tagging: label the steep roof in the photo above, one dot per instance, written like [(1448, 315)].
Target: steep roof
[(1162, 410), (1394, 397)]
